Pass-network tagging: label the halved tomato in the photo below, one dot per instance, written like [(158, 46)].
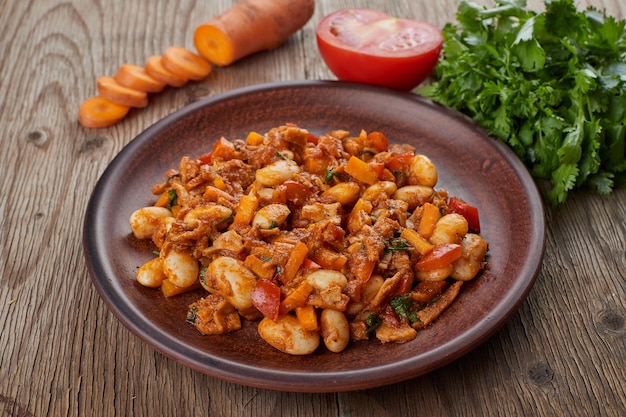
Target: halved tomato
[(369, 46)]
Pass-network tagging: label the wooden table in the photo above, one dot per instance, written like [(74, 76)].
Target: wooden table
[(63, 353)]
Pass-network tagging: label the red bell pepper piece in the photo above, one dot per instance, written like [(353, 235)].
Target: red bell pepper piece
[(266, 298), (440, 257), (456, 205), (400, 161)]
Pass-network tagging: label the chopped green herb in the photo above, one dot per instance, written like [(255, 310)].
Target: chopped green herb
[(397, 244), (552, 85), (402, 306), (227, 220), (172, 199), (280, 156), (367, 152), (192, 315), (273, 224), (329, 174), (202, 276), (372, 322)]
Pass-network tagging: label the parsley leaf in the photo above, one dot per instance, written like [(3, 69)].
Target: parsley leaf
[(552, 85)]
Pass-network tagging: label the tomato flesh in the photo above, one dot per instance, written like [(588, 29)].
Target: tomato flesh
[(456, 205), (369, 46), (440, 257), (266, 298)]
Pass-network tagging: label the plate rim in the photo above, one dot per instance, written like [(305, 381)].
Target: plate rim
[(329, 381)]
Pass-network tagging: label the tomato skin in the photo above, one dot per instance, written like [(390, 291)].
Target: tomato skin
[(440, 257), (400, 161), (456, 205), (401, 68), (266, 298)]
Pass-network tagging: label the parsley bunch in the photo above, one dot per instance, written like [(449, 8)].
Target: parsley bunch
[(552, 85)]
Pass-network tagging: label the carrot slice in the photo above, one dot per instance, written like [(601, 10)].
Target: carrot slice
[(136, 77), (98, 112), (154, 67), (185, 64), (117, 93)]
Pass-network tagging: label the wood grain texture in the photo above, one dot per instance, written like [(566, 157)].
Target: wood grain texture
[(63, 353)]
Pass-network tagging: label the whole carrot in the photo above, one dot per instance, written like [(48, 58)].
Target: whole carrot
[(250, 26)]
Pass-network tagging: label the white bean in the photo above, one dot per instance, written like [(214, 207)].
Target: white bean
[(345, 193), (450, 228), (414, 195), (471, 261), (423, 171), (434, 274), (373, 192), (287, 335), (276, 173), (371, 287), (266, 194), (232, 280), (318, 212), (271, 216), (151, 274), (324, 279), (213, 214), (180, 268), (230, 240), (335, 329), (144, 221)]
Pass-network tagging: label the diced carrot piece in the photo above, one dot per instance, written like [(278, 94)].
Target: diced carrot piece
[(294, 262), (163, 200), (154, 67), (99, 112), (307, 317), (117, 93), (244, 212), (419, 243), (296, 298), (260, 268), (430, 215), (440, 257), (254, 139), (136, 77), (223, 149), (329, 259), (219, 182), (361, 171), (364, 205), (185, 64)]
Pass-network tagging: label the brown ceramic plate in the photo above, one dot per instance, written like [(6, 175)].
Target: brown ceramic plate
[(471, 165)]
